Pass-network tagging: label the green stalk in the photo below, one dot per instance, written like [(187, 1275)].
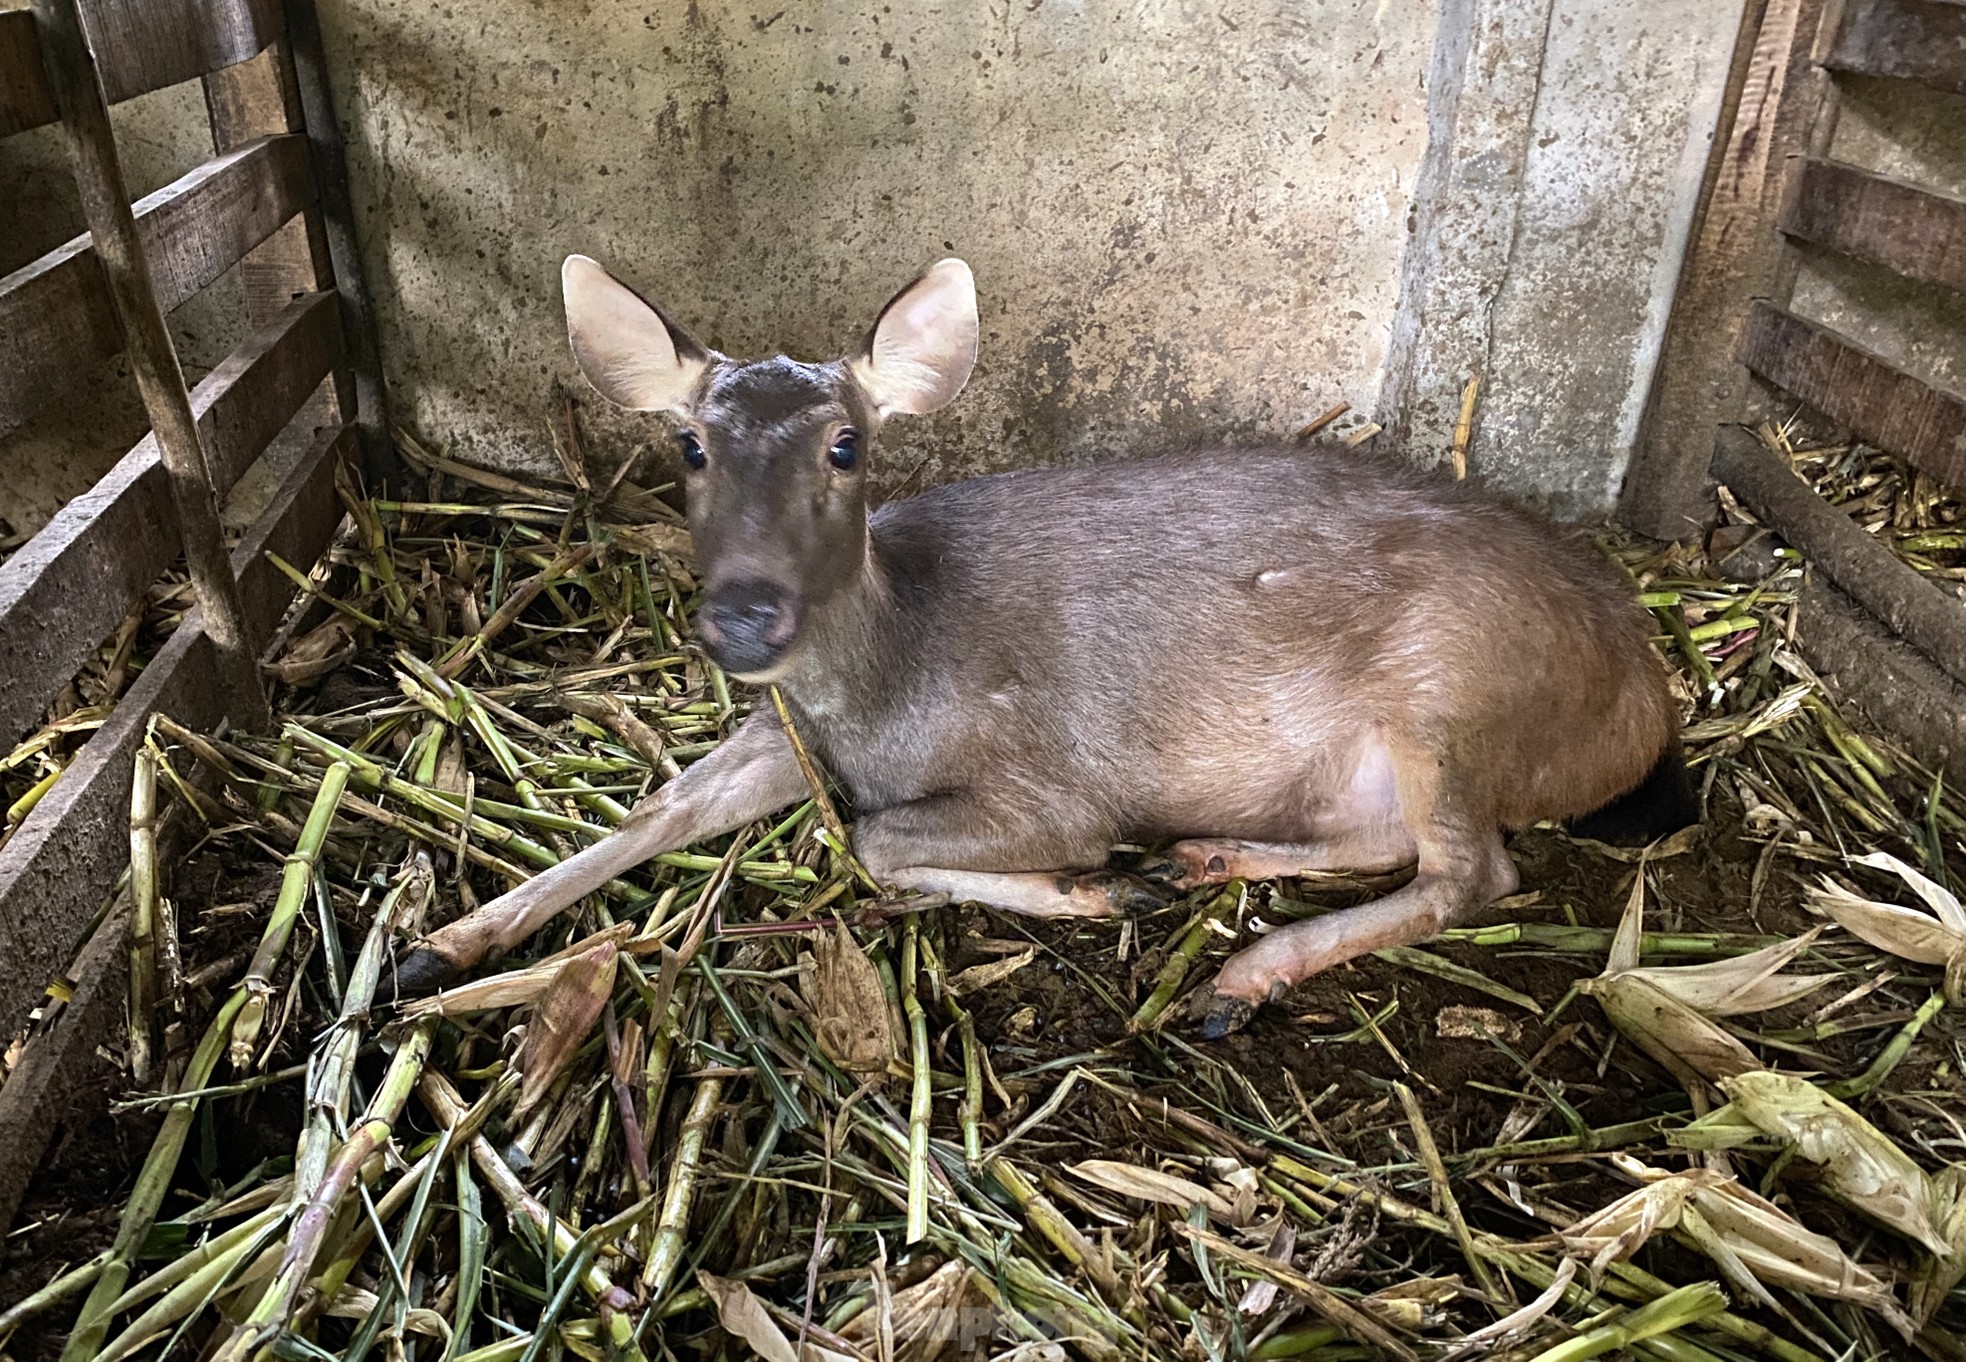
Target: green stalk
[(919, 1107), (1892, 1054), (276, 1307), (145, 914), (1675, 1310), (666, 1250), (92, 1324), (296, 884), (444, 1103), (1182, 958)]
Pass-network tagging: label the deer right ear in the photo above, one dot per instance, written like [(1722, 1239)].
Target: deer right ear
[(633, 355), (924, 344)]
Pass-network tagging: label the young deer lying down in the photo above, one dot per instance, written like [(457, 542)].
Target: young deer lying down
[(1286, 660)]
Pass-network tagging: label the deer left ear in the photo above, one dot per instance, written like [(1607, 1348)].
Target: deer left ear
[(923, 345)]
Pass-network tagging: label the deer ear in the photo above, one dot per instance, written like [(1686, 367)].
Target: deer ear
[(633, 355), (924, 343)]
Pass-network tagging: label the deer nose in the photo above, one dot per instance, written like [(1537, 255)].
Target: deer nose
[(747, 625)]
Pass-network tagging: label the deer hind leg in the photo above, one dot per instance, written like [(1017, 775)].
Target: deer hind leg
[(1041, 863), (1462, 866), (1216, 860)]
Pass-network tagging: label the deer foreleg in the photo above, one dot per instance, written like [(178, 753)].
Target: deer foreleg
[(749, 776)]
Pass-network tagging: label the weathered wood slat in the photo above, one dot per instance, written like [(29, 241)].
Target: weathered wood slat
[(63, 860), (62, 1070), (56, 318), (25, 100), (144, 45), (140, 46), (1895, 685), (1775, 92), (1860, 389), (1921, 40), (296, 526), (70, 585), (1908, 230), (61, 863), (1862, 566)]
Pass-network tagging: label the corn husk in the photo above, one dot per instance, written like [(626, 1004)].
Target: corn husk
[(852, 1018), (743, 1314), (1667, 1011), (1937, 1275), (1755, 1244), (1860, 1165), (944, 1311), (1937, 937), (1150, 1184), (563, 1018)]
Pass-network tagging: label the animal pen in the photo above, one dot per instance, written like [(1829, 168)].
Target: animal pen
[(292, 681)]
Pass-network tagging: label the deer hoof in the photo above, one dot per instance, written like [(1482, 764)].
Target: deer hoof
[(1124, 895), (1192, 864), (1220, 1014), (423, 971)]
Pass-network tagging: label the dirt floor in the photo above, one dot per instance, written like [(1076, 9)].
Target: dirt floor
[(1311, 1135)]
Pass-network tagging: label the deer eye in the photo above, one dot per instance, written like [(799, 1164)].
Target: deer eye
[(845, 452), (692, 449)]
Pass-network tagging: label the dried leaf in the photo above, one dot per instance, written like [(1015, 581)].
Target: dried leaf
[(994, 972), (1937, 897), (1902, 931), (743, 1314), (851, 1017), (1745, 983), (316, 653), (941, 1311), (1937, 1275), (1150, 1184), (563, 1018)]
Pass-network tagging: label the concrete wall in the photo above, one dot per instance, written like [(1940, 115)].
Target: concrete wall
[(1188, 221)]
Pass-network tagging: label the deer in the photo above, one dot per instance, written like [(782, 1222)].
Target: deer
[(1272, 661)]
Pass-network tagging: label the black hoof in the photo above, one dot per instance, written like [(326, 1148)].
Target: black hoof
[(1129, 894), (422, 972), (1220, 1014), (1162, 870)]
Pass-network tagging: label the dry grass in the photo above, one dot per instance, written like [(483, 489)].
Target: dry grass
[(740, 1104)]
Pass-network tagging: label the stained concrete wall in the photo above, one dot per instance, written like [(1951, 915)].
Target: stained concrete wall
[(1188, 220)]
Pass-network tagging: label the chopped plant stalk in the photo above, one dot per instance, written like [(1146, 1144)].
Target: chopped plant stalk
[(146, 913), (1181, 957), (296, 884)]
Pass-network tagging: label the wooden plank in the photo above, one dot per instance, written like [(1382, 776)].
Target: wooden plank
[(69, 586), (74, 75), (1864, 568), (56, 317), (1775, 95), (1921, 40), (144, 45), (62, 1070), (1911, 231), (140, 46), (255, 99), (368, 405), (1896, 686), (66, 857), (25, 100), (1860, 389), (297, 526), (63, 860)]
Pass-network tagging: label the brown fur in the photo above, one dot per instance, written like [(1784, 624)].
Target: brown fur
[(1291, 659)]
